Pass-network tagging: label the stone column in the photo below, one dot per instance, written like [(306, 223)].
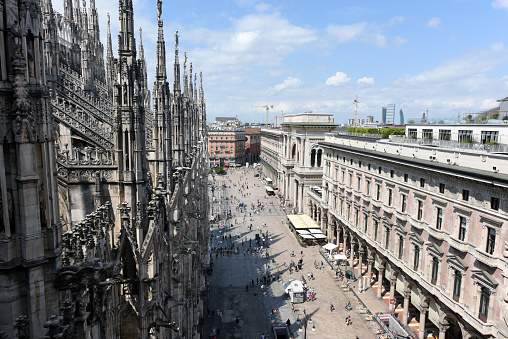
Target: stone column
[(421, 329), (405, 312), (300, 205), (344, 236), (369, 272), (352, 258), (392, 288), (381, 271), (442, 330), (360, 273)]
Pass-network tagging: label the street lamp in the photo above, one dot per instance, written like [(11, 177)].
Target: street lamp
[(306, 319)]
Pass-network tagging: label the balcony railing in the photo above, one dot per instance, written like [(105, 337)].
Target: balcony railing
[(474, 147)]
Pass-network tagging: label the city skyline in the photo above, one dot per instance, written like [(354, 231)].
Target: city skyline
[(451, 56)]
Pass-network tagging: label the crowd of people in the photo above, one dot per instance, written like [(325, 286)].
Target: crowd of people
[(231, 235)]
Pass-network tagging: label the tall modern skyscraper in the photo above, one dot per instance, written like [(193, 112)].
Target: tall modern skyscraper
[(383, 114), (390, 114), (401, 114)]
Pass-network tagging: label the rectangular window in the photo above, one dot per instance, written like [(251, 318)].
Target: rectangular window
[(376, 226), (484, 304), (357, 218), (379, 170), (360, 164), (368, 167), (457, 285), (350, 180), (491, 240), (465, 195), (419, 215), (403, 207), (367, 187), (490, 137), (378, 191), (365, 223), (392, 172), (390, 197), (435, 269), (406, 177), (412, 133), (494, 203), (462, 228), (422, 182), (387, 237), (439, 218), (416, 261), (401, 246), (441, 188), (466, 136), (358, 183), (343, 176), (427, 134), (445, 134)]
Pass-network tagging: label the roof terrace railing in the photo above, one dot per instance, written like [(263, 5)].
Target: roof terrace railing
[(464, 146)]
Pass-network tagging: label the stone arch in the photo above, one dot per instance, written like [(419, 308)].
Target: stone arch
[(448, 323), (319, 157), (312, 157)]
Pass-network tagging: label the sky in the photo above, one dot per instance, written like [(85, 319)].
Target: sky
[(447, 56)]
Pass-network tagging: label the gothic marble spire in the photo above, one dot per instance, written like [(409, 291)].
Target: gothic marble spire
[(109, 60), (195, 87), (160, 72), (201, 92), (185, 75), (68, 13), (126, 41), (176, 86), (191, 90)]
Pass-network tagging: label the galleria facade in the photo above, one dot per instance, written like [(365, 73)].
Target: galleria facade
[(425, 214), (103, 215)]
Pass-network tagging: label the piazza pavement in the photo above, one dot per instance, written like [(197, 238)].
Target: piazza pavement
[(245, 313)]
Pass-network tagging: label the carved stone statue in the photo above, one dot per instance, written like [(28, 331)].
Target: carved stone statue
[(159, 9)]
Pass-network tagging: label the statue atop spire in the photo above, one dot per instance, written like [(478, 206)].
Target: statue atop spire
[(176, 40), (159, 9), (141, 49)]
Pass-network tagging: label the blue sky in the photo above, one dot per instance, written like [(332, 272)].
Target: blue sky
[(450, 56)]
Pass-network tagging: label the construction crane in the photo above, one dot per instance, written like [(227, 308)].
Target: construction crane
[(356, 102), (267, 107)]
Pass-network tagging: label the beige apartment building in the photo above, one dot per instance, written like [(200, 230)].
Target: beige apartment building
[(427, 223), (425, 214)]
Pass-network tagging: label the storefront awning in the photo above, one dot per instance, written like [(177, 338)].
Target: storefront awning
[(302, 221)]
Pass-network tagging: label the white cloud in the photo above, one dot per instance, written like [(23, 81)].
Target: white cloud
[(396, 19), (347, 33), (434, 22), (263, 7), (497, 47), (502, 4), (289, 82), (366, 80), (337, 79), (470, 64), (399, 41), (360, 31)]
